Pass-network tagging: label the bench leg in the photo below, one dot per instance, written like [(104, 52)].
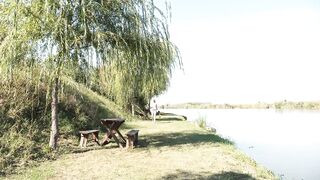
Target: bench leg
[(95, 137), (130, 142), (136, 140), (127, 143), (81, 140), (85, 139)]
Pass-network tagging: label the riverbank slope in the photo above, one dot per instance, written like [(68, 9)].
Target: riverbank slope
[(169, 149)]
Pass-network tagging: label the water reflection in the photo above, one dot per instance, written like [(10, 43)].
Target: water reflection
[(286, 142)]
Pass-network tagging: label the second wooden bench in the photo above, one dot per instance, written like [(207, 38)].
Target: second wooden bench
[(132, 138), (85, 136)]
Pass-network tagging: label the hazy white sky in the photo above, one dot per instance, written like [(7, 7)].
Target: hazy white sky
[(245, 51)]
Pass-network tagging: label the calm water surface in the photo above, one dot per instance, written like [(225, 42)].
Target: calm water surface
[(286, 142)]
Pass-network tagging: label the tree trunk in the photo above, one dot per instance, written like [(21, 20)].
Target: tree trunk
[(54, 116)]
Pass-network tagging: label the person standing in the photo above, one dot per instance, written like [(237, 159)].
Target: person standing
[(153, 109)]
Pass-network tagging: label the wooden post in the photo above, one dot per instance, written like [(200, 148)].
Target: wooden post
[(132, 109)]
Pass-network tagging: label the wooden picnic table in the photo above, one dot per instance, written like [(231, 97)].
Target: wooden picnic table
[(112, 126)]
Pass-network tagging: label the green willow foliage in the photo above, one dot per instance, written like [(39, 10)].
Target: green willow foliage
[(83, 39), (120, 46), (123, 43)]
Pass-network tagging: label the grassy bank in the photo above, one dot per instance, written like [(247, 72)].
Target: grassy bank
[(25, 120), (169, 149)]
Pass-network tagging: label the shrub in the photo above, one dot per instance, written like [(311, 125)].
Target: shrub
[(201, 121)]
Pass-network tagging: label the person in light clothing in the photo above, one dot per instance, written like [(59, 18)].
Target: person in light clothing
[(153, 109)]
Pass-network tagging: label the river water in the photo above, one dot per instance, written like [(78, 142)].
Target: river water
[(286, 142)]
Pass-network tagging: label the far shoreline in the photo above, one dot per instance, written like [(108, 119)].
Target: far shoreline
[(281, 105)]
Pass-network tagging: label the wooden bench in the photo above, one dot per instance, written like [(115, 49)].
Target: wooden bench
[(85, 136), (132, 138)]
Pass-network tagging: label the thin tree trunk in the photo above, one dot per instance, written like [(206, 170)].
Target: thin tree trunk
[(54, 116), (132, 109)]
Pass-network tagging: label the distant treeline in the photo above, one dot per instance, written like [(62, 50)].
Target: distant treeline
[(260, 105)]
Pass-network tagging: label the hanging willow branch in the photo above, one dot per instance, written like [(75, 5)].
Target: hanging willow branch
[(122, 46)]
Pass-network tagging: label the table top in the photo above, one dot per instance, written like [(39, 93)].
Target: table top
[(89, 131)]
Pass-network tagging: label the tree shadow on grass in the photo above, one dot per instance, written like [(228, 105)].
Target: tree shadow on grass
[(77, 150), (174, 139), (207, 176)]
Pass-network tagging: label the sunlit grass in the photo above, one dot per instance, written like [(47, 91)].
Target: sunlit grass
[(167, 150)]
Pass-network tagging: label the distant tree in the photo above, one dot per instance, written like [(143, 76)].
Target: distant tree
[(74, 37)]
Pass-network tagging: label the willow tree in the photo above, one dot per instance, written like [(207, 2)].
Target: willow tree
[(70, 36), (147, 77)]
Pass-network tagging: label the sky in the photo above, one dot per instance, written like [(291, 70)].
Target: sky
[(245, 51)]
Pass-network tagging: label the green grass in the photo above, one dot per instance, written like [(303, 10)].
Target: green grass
[(168, 149)]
